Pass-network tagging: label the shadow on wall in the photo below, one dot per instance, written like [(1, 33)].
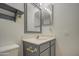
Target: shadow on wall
[(59, 49)]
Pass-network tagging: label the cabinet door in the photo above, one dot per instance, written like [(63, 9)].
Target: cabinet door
[(45, 53), (44, 46), (53, 50)]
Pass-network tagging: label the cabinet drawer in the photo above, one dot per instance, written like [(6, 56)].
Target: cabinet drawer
[(30, 49), (44, 46)]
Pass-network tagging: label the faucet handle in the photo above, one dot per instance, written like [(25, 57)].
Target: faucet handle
[(37, 36)]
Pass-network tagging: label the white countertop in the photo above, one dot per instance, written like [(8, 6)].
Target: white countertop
[(39, 41)]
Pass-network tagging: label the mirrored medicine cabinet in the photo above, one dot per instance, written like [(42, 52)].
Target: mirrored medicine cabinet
[(37, 15)]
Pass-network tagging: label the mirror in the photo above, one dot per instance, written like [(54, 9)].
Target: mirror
[(47, 17), (38, 17), (47, 13), (32, 22)]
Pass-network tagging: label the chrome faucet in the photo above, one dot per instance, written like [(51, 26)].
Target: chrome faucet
[(37, 37)]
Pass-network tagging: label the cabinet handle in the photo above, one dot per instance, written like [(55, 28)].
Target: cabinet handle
[(30, 49)]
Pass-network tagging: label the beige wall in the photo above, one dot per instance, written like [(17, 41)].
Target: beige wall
[(66, 23)]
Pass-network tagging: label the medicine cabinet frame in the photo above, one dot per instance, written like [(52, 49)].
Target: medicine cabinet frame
[(25, 19)]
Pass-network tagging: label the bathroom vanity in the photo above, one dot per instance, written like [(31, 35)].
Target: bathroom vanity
[(44, 46)]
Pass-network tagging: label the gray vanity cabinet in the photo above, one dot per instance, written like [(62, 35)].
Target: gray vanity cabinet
[(45, 53), (44, 49), (53, 48)]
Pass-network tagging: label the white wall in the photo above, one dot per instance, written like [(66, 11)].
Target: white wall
[(19, 6), (11, 32), (66, 23)]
